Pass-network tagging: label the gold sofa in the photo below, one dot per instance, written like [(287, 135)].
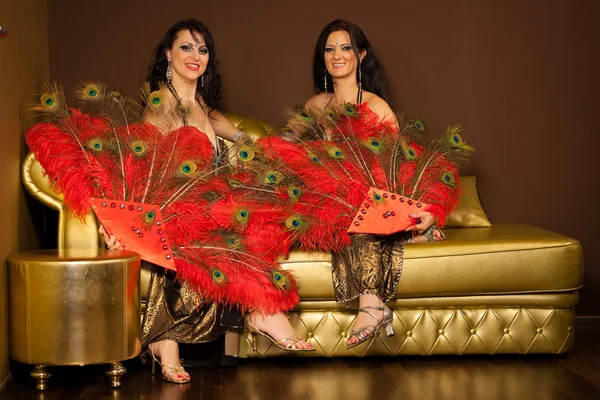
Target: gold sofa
[(507, 288)]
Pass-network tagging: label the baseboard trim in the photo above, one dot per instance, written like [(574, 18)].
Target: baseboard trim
[(587, 320)]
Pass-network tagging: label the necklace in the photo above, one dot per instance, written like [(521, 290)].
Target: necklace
[(180, 106)]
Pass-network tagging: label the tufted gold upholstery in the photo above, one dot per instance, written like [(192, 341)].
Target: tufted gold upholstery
[(470, 329), (504, 259), (498, 289), (503, 289)]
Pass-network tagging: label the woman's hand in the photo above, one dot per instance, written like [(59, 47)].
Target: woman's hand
[(111, 241), (289, 135), (426, 220)]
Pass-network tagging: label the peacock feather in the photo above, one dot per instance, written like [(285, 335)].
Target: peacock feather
[(305, 123), (91, 91), (226, 226), (221, 225), (294, 192), (281, 279), (52, 102), (218, 276)]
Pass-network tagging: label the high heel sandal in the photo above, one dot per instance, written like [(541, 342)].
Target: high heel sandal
[(170, 370), (368, 331), (428, 234), (291, 341), (430, 231)]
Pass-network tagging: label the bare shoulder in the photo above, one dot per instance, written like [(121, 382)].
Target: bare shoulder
[(379, 106), (317, 102)]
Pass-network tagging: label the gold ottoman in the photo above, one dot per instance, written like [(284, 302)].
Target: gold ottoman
[(74, 307)]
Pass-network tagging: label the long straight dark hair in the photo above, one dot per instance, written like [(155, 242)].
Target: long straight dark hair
[(373, 73), (211, 89)]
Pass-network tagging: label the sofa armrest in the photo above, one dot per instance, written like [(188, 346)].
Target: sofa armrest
[(73, 232)]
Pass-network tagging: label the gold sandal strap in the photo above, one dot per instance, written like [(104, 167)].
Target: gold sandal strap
[(171, 368), (430, 231), (363, 332), (292, 341), (366, 311), (367, 330)]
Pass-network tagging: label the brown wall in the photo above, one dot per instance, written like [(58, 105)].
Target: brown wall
[(23, 68), (522, 77)]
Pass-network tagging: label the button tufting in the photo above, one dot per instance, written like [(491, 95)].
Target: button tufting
[(441, 331), (540, 331), (487, 330), (311, 335)]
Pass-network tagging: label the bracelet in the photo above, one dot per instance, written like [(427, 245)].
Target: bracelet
[(288, 135), (238, 135)]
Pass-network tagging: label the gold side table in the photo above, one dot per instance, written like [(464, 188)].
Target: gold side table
[(74, 307)]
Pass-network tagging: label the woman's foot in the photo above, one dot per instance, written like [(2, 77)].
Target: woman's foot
[(279, 328), (436, 235), (167, 353), (364, 319)]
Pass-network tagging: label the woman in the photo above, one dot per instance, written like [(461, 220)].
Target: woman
[(345, 70), (184, 69)]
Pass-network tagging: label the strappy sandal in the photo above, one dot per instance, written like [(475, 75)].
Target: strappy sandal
[(169, 371), (367, 332), (428, 234), (430, 231), (287, 344)]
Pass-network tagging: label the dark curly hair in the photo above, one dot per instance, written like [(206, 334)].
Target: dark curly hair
[(211, 91), (373, 73)]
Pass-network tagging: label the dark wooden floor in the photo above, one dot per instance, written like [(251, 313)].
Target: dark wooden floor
[(576, 376)]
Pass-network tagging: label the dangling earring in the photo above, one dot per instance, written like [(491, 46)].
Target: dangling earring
[(169, 74), (359, 96), (202, 81), (325, 76)]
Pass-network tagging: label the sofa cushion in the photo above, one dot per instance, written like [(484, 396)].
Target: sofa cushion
[(502, 259), (468, 213)]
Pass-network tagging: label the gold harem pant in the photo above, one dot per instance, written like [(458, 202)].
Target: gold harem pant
[(369, 265), (174, 312)]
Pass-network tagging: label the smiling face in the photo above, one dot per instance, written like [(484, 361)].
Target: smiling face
[(188, 56), (340, 57)]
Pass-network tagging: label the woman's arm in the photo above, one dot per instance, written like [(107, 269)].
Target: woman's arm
[(223, 128), (382, 109)]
